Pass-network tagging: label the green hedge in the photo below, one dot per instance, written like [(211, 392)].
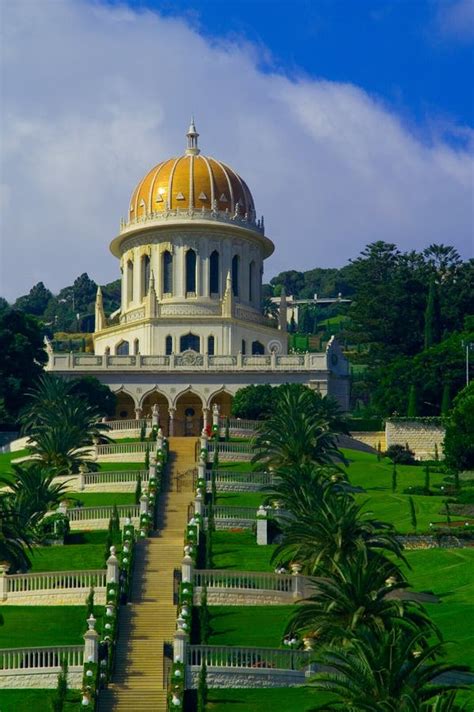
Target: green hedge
[(357, 425)]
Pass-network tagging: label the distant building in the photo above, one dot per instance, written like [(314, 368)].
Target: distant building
[(190, 331)]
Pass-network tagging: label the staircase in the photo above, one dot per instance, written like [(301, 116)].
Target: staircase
[(149, 620)]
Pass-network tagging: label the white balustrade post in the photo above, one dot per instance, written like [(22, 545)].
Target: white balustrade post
[(179, 646), (159, 439), (262, 526), (203, 441), (152, 466), (201, 470), (112, 567), (199, 504), (4, 569), (187, 569), (155, 416), (80, 481), (62, 509), (205, 418), (297, 581), (91, 642), (143, 504)]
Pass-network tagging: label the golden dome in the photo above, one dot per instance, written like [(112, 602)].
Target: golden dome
[(192, 182)]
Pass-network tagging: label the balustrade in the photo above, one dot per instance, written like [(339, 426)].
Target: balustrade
[(222, 656), (44, 581), (117, 477), (41, 658), (79, 514), (222, 512), (223, 578)]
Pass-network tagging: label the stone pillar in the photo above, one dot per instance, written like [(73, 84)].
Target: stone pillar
[(152, 467), (179, 646), (159, 439), (198, 504), (143, 504), (4, 569), (62, 509), (201, 470), (205, 417), (80, 481), (112, 567), (203, 441), (262, 526), (273, 360), (298, 582), (155, 416), (91, 642), (215, 415), (138, 413), (187, 569), (172, 413)]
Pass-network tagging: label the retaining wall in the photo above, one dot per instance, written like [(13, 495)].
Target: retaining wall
[(243, 677), (420, 436), (39, 679)]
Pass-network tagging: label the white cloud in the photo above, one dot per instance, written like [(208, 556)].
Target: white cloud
[(456, 19), (93, 96)]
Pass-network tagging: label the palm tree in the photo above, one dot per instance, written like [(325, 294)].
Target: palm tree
[(32, 491), (358, 596), (16, 537), (335, 531), (391, 670), (296, 433)]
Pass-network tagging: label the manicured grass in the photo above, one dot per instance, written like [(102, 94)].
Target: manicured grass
[(375, 477), (239, 466), (32, 626), (240, 499), (259, 626), (448, 573), (121, 466), (283, 699), (86, 550), (41, 700), (6, 460), (239, 551), (99, 499)]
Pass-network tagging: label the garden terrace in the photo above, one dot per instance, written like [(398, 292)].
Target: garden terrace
[(82, 550), (40, 626), (25, 700), (236, 625), (239, 550)]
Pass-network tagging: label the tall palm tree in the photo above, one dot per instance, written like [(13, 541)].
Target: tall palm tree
[(16, 537), (335, 531), (391, 671), (32, 491), (296, 433), (358, 596)]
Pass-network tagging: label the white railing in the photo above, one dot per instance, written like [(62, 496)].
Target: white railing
[(223, 512), (45, 581), (81, 514), (125, 448), (231, 477), (131, 424), (115, 477), (292, 362), (230, 447), (41, 658), (247, 580), (240, 424), (225, 656)]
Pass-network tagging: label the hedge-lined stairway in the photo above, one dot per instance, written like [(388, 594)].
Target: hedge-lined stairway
[(149, 622)]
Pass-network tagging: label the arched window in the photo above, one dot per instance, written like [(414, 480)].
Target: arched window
[(191, 272), (210, 345), (235, 275), (257, 348), (189, 341), (129, 281), (251, 280), (169, 345), (136, 346), (167, 272), (145, 275), (122, 348), (243, 348), (214, 273)]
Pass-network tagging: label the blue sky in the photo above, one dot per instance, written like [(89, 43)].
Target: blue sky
[(350, 121), (415, 54)]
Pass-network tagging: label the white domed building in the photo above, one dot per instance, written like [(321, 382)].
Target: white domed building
[(190, 330)]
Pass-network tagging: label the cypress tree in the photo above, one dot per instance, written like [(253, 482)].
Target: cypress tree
[(412, 513), (90, 602), (432, 317), (202, 694), (138, 489), (412, 410), (427, 478), (445, 399), (394, 478)]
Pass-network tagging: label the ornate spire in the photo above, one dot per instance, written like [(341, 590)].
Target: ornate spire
[(100, 320), (192, 136)]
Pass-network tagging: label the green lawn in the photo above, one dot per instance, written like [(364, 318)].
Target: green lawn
[(239, 466), (32, 626), (240, 499), (6, 459), (259, 626), (375, 477), (121, 466), (41, 700), (98, 499), (449, 574), (239, 551), (285, 699), (83, 550)]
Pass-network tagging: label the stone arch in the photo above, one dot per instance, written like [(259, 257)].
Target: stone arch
[(223, 398), (188, 416), (125, 405), (156, 397)]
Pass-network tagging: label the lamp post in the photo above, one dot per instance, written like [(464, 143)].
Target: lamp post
[(469, 346)]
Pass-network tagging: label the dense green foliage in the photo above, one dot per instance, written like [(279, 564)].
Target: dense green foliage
[(459, 439), (97, 395)]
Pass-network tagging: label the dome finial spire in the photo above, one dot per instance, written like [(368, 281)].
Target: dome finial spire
[(192, 136)]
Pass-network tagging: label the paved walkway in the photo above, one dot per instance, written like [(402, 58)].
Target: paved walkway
[(149, 621)]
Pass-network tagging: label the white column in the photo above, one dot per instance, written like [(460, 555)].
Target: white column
[(179, 647), (262, 527), (4, 568), (187, 569), (205, 275), (112, 567), (91, 642), (199, 291)]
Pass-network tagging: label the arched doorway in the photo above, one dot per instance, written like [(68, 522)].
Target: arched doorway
[(125, 406), (188, 415), (161, 401), (224, 401)]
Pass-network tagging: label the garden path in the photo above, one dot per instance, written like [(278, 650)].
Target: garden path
[(149, 621)]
